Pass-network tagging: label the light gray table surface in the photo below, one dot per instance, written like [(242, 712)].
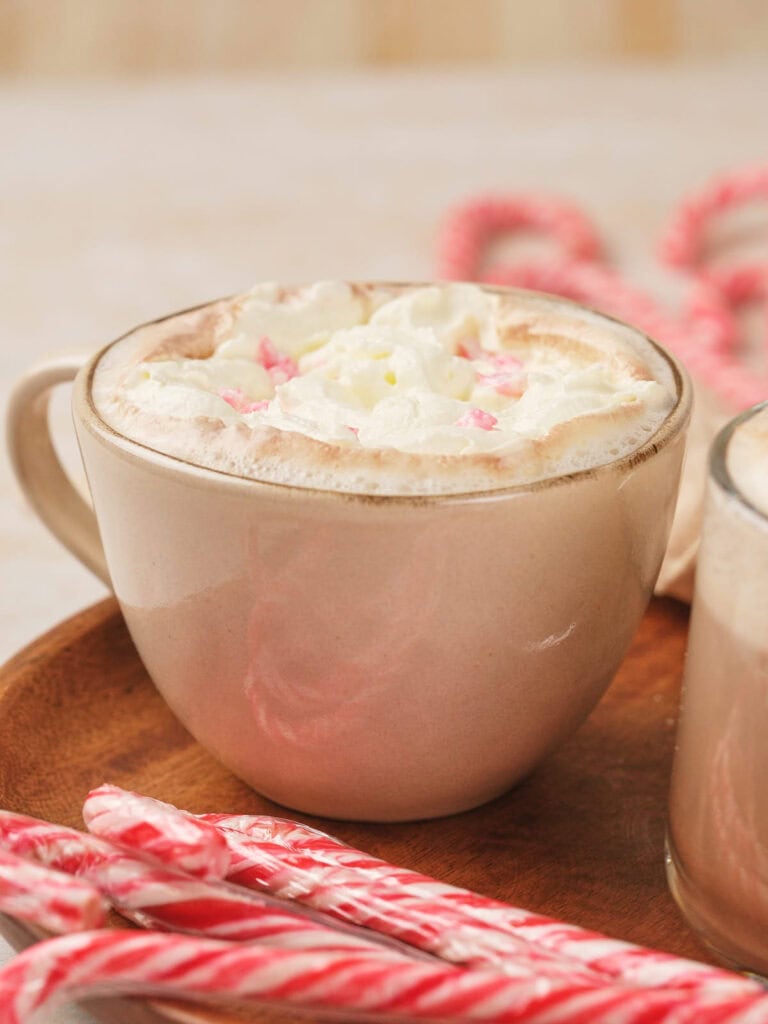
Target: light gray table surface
[(121, 202)]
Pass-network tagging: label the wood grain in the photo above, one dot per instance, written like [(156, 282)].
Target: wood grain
[(581, 839), (76, 38)]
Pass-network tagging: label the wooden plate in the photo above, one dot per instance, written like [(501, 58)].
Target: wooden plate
[(582, 839)]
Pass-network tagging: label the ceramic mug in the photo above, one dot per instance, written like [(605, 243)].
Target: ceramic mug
[(357, 656)]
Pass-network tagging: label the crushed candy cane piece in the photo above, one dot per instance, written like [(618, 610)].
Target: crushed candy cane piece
[(477, 418), (240, 401), (279, 366), (468, 349)]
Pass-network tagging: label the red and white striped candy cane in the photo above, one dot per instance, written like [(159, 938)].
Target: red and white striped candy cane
[(159, 831), (705, 333), (683, 243), (462, 940), (157, 897), (434, 927), (48, 899), (311, 866), (150, 964), (468, 230)]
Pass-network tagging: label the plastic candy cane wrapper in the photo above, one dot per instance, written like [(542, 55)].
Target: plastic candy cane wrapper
[(156, 897), (293, 861), (48, 899), (152, 964)]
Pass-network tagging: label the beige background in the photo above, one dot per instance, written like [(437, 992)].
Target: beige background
[(81, 38)]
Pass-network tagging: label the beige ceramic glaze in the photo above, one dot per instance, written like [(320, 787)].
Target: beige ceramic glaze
[(365, 657)]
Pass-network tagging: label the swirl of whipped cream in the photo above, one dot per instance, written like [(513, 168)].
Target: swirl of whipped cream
[(439, 372)]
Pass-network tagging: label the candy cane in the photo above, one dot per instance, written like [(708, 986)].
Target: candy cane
[(301, 863), (298, 861), (149, 964), (704, 335), (158, 830), (683, 242), (469, 228), (157, 897), (48, 899), (460, 940)]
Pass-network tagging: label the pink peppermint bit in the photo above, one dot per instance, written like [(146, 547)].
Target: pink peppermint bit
[(278, 365), (506, 361), (477, 418), (469, 348), (234, 397), (267, 354), (503, 383), (240, 401), (281, 374)]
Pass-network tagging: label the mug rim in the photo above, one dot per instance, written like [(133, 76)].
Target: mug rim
[(672, 424), (718, 461)]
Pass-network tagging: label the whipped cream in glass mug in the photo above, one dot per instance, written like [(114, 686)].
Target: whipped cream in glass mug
[(380, 547)]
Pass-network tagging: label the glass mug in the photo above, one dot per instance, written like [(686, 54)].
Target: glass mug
[(717, 844)]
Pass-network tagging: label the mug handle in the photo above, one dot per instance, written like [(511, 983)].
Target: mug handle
[(39, 471)]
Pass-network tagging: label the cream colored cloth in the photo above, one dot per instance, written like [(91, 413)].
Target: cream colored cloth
[(678, 569)]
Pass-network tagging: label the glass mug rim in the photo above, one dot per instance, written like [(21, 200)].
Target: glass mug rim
[(672, 424), (718, 461)]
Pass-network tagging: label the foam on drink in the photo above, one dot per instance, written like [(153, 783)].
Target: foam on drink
[(387, 389), (747, 460)]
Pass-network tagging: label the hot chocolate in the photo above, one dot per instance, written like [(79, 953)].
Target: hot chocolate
[(443, 389), (719, 803), (433, 606)]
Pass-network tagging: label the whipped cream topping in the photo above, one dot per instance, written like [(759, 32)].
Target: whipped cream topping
[(425, 374), (440, 372)]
